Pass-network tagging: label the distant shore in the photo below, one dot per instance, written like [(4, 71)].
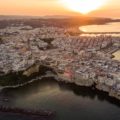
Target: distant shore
[(55, 21)]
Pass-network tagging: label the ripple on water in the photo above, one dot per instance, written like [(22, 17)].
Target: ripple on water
[(68, 100)]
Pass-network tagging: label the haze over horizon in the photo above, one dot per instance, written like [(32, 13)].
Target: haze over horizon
[(54, 7)]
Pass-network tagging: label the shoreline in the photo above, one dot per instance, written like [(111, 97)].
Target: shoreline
[(84, 92), (82, 60), (82, 83), (71, 86)]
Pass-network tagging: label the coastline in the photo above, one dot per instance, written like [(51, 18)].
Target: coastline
[(85, 61), (82, 83), (67, 89)]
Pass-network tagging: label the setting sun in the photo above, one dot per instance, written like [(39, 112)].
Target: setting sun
[(83, 6)]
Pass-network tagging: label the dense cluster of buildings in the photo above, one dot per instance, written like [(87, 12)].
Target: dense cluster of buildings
[(82, 60)]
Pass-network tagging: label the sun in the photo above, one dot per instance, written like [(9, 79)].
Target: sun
[(83, 6)]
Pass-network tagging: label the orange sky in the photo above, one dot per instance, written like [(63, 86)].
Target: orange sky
[(53, 7)]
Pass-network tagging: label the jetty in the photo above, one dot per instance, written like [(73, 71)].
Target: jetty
[(37, 113)]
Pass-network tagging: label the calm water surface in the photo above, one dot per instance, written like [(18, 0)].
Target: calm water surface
[(110, 27), (69, 101)]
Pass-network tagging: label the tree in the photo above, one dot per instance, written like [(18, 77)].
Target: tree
[(0, 40)]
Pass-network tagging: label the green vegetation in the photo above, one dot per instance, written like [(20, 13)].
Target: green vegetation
[(1, 40), (18, 78), (48, 40), (12, 79)]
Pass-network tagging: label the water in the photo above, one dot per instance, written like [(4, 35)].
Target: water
[(99, 34), (117, 55), (110, 27), (69, 101)]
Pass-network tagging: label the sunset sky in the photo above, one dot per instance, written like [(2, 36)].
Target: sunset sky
[(54, 7)]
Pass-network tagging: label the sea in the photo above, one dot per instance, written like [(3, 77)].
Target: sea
[(68, 101)]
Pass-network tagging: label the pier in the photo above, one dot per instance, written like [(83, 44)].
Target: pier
[(38, 113)]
